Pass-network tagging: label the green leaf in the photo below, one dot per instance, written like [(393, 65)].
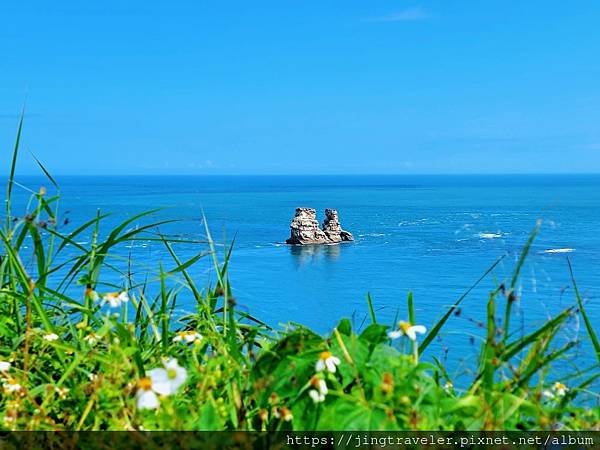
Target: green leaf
[(374, 334), (209, 418), (345, 327)]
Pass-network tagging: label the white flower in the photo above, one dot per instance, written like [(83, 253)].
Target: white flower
[(560, 389), (547, 393), (448, 386), (406, 329), (187, 337), (11, 386), (327, 361), (160, 381), (9, 419), (62, 392), (91, 338), (284, 413), (114, 299), (146, 398), (50, 337), (4, 366), (92, 294), (320, 390), (166, 381)]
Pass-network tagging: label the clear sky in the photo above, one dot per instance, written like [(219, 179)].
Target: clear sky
[(315, 87)]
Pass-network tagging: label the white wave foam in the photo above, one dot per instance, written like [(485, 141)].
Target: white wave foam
[(489, 235), (559, 250)]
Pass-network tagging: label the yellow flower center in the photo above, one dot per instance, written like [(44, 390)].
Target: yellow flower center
[(559, 386), (145, 384), (325, 355), (171, 374), (404, 326)]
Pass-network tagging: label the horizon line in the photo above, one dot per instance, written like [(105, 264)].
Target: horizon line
[(457, 174)]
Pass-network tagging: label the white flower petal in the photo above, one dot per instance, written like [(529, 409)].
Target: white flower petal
[(320, 365), (180, 377), (147, 400), (419, 329), (158, 375), (323, 387), (11, 387), (163, 388), (395, 334), (171, 363), (411, 334), (166, 381), (330, 364), (316, 396), (4, 366), (547, 393)]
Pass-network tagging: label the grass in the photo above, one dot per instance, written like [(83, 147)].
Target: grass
[(81, 352)]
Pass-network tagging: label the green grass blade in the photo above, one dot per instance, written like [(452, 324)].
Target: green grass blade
[(50, 177), (371, 311), (13, 166), (411, 308), (438, 326), (511, 297), (513, 348), (586, 319)]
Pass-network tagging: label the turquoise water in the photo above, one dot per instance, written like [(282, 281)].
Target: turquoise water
[(433, 234)]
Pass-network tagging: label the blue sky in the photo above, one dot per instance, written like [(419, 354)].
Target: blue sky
[(323, 87)]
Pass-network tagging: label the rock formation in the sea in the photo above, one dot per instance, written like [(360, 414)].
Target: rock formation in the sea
[(333, 229), (305, 228)]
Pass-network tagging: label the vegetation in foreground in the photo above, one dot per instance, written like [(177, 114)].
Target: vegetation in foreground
[(80, 353)]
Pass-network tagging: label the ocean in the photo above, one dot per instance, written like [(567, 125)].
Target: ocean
[(434, 235)]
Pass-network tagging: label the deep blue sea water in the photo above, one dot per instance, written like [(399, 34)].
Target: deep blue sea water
[(433, 234)]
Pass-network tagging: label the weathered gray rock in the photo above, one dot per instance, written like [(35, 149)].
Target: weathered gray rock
[(305, 228), (333, 229)]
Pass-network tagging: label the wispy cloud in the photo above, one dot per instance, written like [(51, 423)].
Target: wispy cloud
[(406, 15)]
